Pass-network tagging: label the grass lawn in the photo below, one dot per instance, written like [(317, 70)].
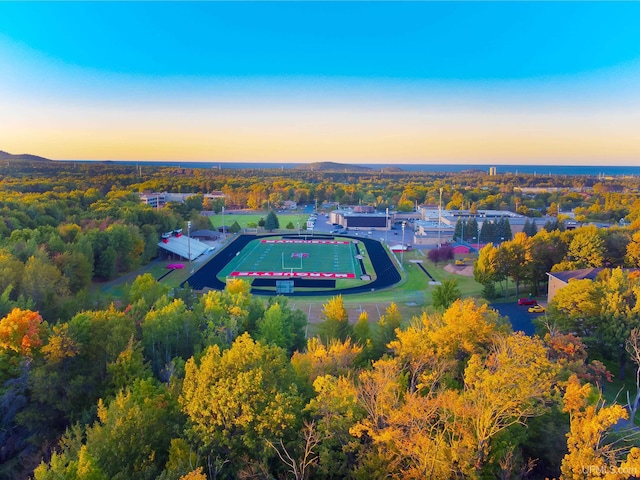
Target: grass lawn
[(244, 219)]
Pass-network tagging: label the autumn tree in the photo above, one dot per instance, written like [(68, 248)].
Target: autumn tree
[(632, 257), (586, 248), (335, 323), (547, 250), (486, 269), (147, 289), (602, 312), (513, 383), (440, 254), (45, 285), (20, 332), (591, 454), (227, 314), (362, 329), (238, 399), (75, 373), (337, 359), (513, 258)]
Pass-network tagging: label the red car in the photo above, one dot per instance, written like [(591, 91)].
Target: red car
[(526, 301)]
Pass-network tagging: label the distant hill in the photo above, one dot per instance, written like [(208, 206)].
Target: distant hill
[(22, 156), (342, 167)]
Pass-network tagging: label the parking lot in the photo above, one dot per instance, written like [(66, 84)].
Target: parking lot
[(519, 315)]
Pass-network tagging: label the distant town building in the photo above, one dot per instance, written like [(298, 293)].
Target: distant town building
[(290, 205), (492, 171)]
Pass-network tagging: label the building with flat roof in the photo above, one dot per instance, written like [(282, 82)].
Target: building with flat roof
[(349, 218)]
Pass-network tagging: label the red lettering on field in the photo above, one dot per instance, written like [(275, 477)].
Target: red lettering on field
[(293, 274)]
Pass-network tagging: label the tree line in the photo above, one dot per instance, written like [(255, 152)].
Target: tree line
[(227, 386)]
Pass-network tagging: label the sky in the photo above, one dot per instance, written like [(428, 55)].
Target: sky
[(540, 83)]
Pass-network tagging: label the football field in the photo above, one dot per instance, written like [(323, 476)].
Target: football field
[(310, 258)]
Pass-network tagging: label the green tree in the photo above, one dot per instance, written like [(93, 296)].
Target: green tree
[(335, 410), (271, 222), (385, 330), (43, 283), (235, 227), (362, 329), (169, 331), (282, 326), (135, 427), (145, 288), (445, 294)]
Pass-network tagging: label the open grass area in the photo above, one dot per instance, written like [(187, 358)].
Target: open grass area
[(247, 219)]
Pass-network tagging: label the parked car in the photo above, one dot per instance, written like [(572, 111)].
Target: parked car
[(526, 301), (536, 309)]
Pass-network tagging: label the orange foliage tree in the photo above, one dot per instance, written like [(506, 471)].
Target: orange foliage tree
[(20, 331)]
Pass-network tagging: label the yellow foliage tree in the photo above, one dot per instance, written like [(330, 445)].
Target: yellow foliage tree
[(513, 383), (335, 359), (590, 455), (465, 328)]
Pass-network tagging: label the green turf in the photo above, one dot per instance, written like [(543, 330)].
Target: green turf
[(261, 256)]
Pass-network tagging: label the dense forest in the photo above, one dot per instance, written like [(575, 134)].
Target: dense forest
[(173, 384)]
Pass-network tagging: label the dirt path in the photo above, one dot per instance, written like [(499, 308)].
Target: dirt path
[(464, 270)]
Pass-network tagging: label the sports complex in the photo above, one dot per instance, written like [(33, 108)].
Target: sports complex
[(300, 265)]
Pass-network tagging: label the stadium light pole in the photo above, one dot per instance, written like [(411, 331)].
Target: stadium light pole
[(439, 218), (403, 247), (386, 231), (189, 244), (223, 235)]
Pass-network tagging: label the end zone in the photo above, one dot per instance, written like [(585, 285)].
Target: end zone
[(294, 274)]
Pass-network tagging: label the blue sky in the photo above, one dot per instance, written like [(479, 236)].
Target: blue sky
[(397, 82)]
